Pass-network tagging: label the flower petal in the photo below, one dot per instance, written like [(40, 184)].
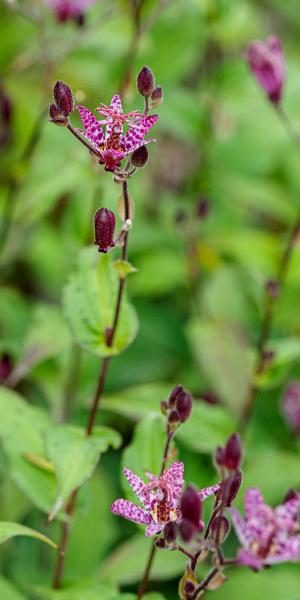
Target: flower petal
[(240, 527), (116, 104), (173, 476), (130, 511), (253, 502), (93, 129), (250, 560), (289, 510), (288, 550), (137, 485), (133, 138), (208, 491), (153, 529)]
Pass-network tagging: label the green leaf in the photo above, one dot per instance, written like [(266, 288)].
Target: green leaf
[(83, 590), (137, 401), (126, 564), (22, 430), (75, 457), (208, 426), (123, 268), (282, 584), (89, 304), (9, 530), (8, 591)]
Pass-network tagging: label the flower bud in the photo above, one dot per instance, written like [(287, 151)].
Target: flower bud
[(267, 64), (160, 543), (290, 495), (104, 224), (220, 528), (145, 82), (176, 391), (164, 406), (6, 110), (184, 405), (157, 96), (191, 506), (63, 98), (233, 452), (174, 417), (230, 487), (139, 157), (56, 116), (291, 406), (170, 533), (219, 456), (6, 367)]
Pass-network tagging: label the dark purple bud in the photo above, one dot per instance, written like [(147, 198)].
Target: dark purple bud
[(160, 543), (187, 530), (272, 288), (5, 117), (230, 487), (233, 452), (173, 417), (6, 367), (145, 82), (56, 116), (202, 208), (139, 157), (189, 588), (220, 528), (184, 405), (176, 391), (268, 66), (170, 533), (164, 406), (290, 495), (157, 95), (291, 406), (63, 98), (219, 456), (104, 224), (191, 506)]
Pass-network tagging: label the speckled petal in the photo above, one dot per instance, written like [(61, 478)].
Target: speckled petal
[(116, 104), (253, 502), (93, 129), (288, 551), (248, 559), (240, 527), (134, 138), (208, 491), (137, 485), (130, 511), (174, 478), (289, 510), (153, 529)]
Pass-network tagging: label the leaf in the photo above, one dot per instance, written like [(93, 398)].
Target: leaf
[(89, 303), (123, 268), (8, 591), (286, 352), (126, 564), (159, 273), (137, 401), (282, 584), (22, 429), (84, 590), (9, 530), (75, 456)]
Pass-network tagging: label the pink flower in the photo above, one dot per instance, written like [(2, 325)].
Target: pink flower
[(69, 9), (267, 64), (160, 499), (113, 145), (268, 535)]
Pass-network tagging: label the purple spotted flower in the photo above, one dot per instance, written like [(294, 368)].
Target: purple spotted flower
[(112, 144), (66, 10), (268, 535), (267, 64), (160, 499)]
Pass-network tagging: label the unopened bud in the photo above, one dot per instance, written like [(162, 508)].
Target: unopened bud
[(187, 530), (164, 407), (170, 533), (157, 95), (104, 224), (139, 157), (233, 452), (63, 98), (145, 82), (160, 543), (220, 528), (291, 495), (6, 367), (174, 417), (176, 391), (219, 456), (184, 405), (56, 116), (191, 506), (230, 487)]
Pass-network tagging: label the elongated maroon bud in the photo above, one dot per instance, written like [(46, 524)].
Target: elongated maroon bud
[(184, 405), (160, 543), (267, 63), (139, 157), (170, 533), (145, 82), (56, 116), (63, 98), (191, 506), (220, 528), (230, 487), (219, 456), (233, 452), (6, 367), (104, 223), (290, 495), (176, 391), (157, 95)]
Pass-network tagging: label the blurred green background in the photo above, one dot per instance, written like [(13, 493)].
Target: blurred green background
[(199, 287)]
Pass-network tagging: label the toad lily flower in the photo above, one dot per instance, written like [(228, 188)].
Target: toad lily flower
[(268, 535), (160, 499), (114, 145)]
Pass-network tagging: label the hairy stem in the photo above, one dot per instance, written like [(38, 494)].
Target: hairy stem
[(271, 301), (65, 533)]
